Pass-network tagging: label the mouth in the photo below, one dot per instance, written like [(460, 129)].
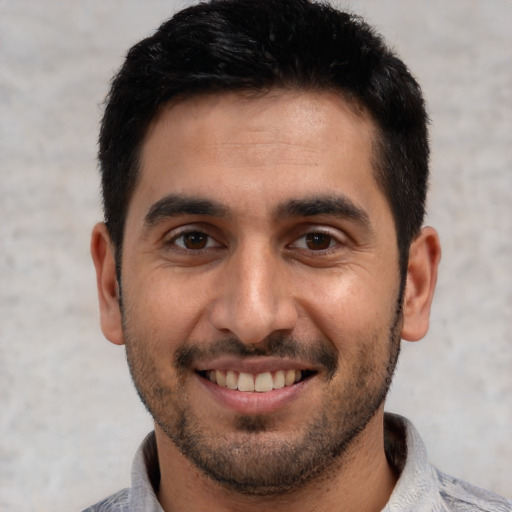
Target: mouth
[(256, 382)]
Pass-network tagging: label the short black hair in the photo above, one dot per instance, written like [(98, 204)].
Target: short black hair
[(247, 45)]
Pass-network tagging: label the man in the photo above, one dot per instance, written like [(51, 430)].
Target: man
[(264, 171)]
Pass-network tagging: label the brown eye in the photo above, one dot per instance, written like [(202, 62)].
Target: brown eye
[(318, 241), (195, 240)]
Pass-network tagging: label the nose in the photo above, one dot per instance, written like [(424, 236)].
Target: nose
[(254, 298)]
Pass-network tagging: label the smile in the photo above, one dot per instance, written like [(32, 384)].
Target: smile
[(259, 383)]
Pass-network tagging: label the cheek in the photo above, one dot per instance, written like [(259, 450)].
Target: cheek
[(352, 306), (162, 310)]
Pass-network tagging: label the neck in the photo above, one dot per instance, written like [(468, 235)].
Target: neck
[(361, 481)]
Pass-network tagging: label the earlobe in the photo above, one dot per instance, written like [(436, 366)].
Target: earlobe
[(106, 280), (424, 258)]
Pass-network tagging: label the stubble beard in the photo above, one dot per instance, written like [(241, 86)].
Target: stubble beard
[(257, 460)]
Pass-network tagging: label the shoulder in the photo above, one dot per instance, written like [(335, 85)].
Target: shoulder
[(461, 496), (118, 502)]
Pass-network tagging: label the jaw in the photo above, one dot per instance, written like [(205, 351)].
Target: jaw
[(273, 477)]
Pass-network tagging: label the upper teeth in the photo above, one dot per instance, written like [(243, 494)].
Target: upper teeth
[(260, 382)]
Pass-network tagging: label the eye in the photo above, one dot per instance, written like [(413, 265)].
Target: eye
[(316, 241), (194, 241)]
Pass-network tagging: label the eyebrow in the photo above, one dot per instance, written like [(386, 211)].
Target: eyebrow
[(175, 205), (340, 206), (334, 205)]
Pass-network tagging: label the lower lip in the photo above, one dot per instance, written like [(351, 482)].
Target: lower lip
[(254, 402)]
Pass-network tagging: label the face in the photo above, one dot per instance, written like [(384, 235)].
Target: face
[(260, 285)]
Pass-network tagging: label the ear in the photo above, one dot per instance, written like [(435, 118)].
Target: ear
[(424, 258), (102, 253)]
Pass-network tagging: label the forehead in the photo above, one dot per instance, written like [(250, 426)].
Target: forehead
[(248, 121), (253, 152)]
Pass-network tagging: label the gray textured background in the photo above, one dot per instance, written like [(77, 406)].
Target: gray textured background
[(69, 418)]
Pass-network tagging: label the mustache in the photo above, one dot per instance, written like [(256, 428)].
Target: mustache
[(318, 353)]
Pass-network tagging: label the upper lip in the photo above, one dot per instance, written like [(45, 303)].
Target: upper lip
[(254, 365)]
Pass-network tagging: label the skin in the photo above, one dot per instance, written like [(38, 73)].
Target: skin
[(258, 273)]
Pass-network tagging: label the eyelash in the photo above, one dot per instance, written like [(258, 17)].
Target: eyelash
[(333, 241), (190, 232)]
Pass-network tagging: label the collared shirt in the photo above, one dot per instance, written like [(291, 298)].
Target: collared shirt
[(420, 488)]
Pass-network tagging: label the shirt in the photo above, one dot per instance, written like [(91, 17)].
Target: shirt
[(421, 487)]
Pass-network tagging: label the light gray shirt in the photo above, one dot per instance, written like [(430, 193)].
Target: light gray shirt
[(420, 488)]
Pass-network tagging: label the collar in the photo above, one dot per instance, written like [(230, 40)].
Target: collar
[(417, 488)]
